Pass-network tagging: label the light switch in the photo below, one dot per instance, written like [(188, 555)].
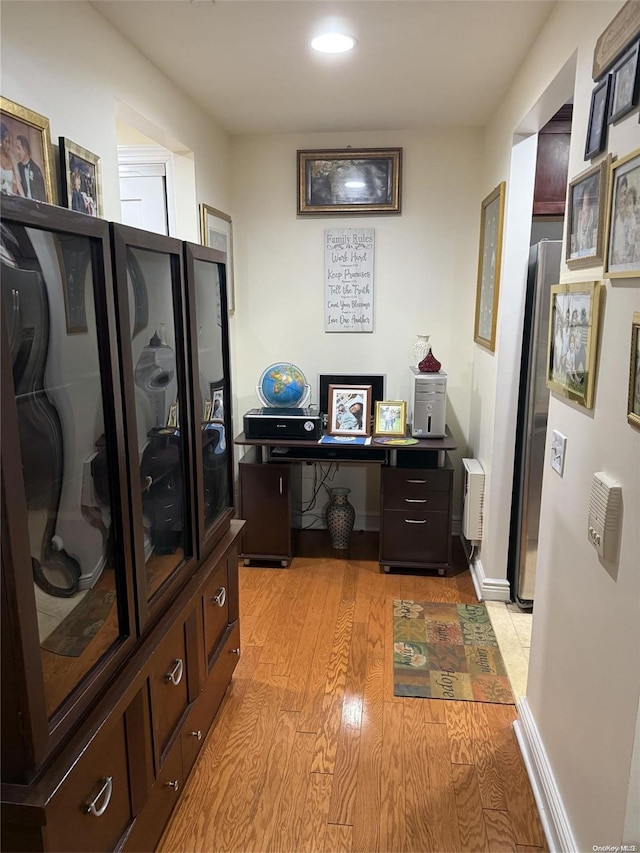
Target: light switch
[(558, 447)]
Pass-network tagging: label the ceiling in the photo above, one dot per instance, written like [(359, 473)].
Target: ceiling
[(417, 64)]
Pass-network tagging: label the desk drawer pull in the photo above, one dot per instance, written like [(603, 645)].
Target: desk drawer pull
[(415, 521), (175, 676), (175, 784), (220, 597), (105, 791), (421, 482), (197, 734), (280, 485), (415, 500)]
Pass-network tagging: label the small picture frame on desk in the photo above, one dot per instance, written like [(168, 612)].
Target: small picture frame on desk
[(390, 418), (172, 420), (349, 410)]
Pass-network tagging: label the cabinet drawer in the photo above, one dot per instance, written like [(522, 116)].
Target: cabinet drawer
[(168, 680), (164, 796), (92, 808), (415, 482), (416, 497), (415, 537), (215, 604)]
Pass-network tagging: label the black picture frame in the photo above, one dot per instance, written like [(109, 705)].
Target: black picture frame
[(598, 115), (625, 84)]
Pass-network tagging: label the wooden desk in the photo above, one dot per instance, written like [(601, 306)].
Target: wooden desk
[(416, 495)]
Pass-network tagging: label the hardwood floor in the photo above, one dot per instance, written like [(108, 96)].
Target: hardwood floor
[(311, 751)]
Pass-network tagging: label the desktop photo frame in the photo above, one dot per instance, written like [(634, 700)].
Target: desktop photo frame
[(390, 418), (349, 410)]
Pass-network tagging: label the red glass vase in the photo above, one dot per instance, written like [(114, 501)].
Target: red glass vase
[(429, 364)]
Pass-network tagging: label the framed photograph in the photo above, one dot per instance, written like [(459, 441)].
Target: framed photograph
[(338, 181), (172, 420), (80, 178), (587, 197), (216, 231), (598, 117), (207, 411), (622, 257), (349, 410), (573, 341), (633, 409), (390, 418), (490, 256), (26, 167), (625, 80)]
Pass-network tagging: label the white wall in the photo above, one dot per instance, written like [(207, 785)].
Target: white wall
[(584, 679), (76, 70), (425, 268)]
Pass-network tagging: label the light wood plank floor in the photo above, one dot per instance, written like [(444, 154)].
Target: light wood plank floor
[(311, 751)]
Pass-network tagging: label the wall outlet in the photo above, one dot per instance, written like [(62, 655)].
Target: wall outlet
[(558, 447)]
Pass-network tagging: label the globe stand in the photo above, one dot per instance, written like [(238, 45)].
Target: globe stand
[(303, 403)]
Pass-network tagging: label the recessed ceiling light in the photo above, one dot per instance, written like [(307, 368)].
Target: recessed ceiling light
[(333, 43)]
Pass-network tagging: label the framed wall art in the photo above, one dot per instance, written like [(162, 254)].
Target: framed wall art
[(390, 418), (633, 408), (573, 341), (81, 181), (349, 410), (622, 257), (489, 261), (586, 206), (26, 164), (598, 118), (625, 82), (216, 231), (339, 181), (619, 33)]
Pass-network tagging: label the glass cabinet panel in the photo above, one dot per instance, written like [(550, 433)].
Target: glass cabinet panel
[(158, 387), (205, 272), (50, 286)]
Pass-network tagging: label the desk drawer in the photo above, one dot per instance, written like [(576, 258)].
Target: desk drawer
[(92, 809), (414, 537), (415, 482)]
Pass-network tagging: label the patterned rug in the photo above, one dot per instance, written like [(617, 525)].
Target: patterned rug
[(447, 651)]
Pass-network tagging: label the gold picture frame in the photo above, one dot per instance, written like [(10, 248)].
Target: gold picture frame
[(80, 178), (29, 137), (216, 231), (489, 265), (633, 407), (586, 214), (622, 256), (390, 418), (349, 180), (572, 347)]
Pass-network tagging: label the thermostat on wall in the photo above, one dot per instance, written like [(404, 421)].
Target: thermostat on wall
[(605, 505)]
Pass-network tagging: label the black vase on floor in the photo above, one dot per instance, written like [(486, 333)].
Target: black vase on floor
[(340, 518)]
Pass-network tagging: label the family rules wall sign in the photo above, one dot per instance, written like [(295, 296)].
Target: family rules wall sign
[(348, 279)]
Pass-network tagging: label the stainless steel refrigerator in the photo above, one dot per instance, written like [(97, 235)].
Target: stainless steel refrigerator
[(533, 405)]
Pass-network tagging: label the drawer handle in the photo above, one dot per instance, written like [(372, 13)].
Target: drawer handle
[(280, 485), (175, 676), (175, 784), (197, 735), (235, 651), (422, 482), (415, 521), (415, 500), (220, 597), (105, 792)]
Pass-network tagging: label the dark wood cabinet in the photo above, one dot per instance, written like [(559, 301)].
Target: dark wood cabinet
[(117, 530), (552, 165), (265, 504), (416, 516)]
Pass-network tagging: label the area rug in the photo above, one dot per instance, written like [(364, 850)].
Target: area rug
[(447, 651), (73, 634)]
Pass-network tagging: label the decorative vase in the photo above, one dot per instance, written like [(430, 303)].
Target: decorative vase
[(420, 349), (340, 518), (429, 363)]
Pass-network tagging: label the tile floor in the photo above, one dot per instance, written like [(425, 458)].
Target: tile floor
[(512, 628)]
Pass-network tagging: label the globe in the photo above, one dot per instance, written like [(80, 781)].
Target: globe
[(283, 385)]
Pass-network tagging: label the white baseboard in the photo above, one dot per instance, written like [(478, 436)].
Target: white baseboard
[(488, 589), (553, 816)]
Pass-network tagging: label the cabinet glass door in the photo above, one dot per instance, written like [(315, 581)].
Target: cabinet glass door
[(206, 286), (54, 302), (157, 411)]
